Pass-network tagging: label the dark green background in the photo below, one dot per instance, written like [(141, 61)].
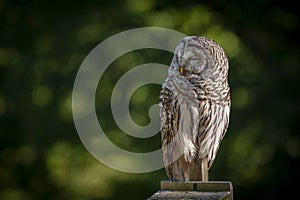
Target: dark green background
[(42, 44)]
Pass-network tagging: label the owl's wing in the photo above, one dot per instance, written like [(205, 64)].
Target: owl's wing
[(166, 118), (213, 124), (167, 133)]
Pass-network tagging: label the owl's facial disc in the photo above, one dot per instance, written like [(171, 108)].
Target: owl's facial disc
[(191, 60), (200, 58)]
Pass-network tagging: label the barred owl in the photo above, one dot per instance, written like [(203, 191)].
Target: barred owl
[(194, 108)]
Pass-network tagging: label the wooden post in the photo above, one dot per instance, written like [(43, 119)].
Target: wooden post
[(211, 190)]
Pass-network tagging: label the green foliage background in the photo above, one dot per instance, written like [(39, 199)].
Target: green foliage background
[(42, 44)]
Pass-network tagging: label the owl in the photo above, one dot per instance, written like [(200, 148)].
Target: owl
[(194, 108)]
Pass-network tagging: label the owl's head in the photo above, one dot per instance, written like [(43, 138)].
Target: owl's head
[(201, 58)]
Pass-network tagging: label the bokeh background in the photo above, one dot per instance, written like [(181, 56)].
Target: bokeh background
[(42, 44)]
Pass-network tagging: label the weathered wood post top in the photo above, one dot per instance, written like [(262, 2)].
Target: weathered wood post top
[(212, 190)]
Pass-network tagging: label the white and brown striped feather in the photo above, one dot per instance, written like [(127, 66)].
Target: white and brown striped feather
[(194, 108)]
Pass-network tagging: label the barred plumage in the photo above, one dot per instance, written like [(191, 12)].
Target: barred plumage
[(194, 108)]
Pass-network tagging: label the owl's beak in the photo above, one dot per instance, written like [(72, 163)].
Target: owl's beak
[(181, 70)]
